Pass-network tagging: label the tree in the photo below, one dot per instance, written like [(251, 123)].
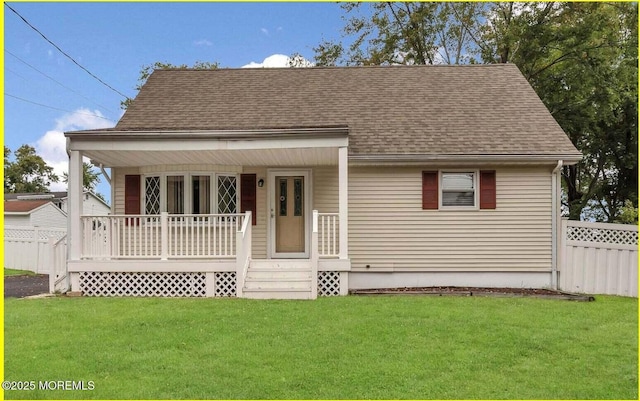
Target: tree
[(90, 178), (404, 33), (28, 172), (581, 59), (146, 71)]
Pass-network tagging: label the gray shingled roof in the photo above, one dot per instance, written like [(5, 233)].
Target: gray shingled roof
[(474, 109)]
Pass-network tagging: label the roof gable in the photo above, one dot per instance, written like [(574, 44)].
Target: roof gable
[(471, 109)]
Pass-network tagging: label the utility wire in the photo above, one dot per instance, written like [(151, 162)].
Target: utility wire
[(65, 54), (57, 108), (59, 83)]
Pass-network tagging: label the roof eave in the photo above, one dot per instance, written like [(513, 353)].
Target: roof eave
[(464, 159), (270, 133)]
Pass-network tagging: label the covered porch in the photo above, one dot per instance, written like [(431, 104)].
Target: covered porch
[(192, 250)]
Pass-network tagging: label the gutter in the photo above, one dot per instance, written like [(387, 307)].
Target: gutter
[(556, 186), (420, 159)]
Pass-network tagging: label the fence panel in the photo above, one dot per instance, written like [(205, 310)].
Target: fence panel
[(599, 258), (27, 248)]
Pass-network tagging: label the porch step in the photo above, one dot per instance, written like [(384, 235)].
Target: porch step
[(277, 293), (278, 279)]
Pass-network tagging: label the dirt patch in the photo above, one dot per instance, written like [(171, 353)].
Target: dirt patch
[(477, 292), (24, 286)]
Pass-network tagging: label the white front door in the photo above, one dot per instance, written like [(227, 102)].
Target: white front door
[(289, 213)]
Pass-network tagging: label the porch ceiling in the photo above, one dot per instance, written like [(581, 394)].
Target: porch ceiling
[(244, 157)]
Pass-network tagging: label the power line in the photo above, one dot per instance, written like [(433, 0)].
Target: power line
[(57, 108), (59, 83), (65, 54)]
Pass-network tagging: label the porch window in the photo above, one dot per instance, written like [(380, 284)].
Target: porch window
[(459, 189), (227, 194), (175, 194), (152, 195), (201, 194)]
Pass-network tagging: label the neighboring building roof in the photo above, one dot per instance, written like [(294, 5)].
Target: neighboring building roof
[(393, 110), (23, 206), (54, 196), (35, 195)]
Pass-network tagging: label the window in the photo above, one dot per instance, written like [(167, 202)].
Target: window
[(227, 194), (189, 194), (200, 194), (175, 194), (458, 189), (152, 195)]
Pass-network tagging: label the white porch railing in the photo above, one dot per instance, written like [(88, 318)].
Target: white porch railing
[(328, 235), (160, 236)]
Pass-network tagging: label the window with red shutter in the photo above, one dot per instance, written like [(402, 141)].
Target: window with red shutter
[(487, 189), (429, 190)]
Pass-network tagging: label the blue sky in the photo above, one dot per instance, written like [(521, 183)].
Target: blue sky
[(114, 40)]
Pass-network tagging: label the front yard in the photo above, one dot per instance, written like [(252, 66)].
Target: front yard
[(355, 347)]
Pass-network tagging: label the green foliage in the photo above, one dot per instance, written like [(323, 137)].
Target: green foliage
[(90, 178), (628, 213), (410, 347), (28, 172), (581, 59), (147, 69)]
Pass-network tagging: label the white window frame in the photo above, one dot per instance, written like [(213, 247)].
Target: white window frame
[(188, 198), (476, 189)]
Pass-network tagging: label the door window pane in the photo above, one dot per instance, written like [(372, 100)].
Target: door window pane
[(282, 196), (297, 193)]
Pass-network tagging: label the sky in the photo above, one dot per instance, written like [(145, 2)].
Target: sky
[(46, 94)]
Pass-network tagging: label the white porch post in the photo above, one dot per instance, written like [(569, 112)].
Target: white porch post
[(74, 230), (74, 226), (343, 200)]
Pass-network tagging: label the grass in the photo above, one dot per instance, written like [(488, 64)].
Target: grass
[(348, 347), (16, 272)]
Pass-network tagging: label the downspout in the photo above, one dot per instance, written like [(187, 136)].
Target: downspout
[(555, 222)]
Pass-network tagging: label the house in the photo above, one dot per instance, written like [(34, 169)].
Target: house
[(91, 204), (33, 213), (294, 183)]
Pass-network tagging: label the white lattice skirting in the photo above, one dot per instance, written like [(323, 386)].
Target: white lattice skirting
[(179, 284), (328, 284), (602, 235)]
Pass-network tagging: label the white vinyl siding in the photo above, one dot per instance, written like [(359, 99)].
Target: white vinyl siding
[(389, 231), (49, 216)]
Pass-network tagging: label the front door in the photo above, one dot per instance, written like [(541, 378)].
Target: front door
[(289, 215)]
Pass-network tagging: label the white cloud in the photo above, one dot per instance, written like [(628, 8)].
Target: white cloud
[(203, 42), (278, 61), (52, 146), (265, 31)]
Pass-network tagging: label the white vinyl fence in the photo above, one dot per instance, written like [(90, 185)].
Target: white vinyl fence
[(27, 248), (599, 258)]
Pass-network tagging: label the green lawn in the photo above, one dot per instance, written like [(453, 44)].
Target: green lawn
[(15, 272), (408, 347)]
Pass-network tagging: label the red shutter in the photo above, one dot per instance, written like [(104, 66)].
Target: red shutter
[(430, 190), (248, 195), (487, 189), (132, 196)]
